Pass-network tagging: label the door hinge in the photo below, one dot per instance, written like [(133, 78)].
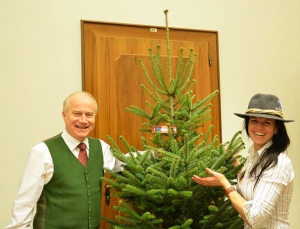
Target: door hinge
[(209, 60)]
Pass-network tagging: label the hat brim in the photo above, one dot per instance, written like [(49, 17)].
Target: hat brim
[(262, 116)]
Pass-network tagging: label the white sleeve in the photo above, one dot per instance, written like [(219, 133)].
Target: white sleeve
[(37, 172), (109, 161)]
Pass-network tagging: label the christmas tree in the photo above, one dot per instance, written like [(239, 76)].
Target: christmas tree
[(155, 187)]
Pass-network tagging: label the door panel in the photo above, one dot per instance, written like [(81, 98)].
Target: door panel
[(113, 75)]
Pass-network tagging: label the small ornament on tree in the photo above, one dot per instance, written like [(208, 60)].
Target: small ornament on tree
[(156, 187)]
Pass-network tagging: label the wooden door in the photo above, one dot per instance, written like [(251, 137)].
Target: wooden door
[(112, 74)]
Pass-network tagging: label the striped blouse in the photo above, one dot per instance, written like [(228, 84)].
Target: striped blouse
[(267, 205)]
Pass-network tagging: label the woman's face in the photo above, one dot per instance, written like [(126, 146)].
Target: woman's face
[(261, 130)]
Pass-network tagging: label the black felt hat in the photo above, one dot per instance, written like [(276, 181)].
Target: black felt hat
[(264, 106)]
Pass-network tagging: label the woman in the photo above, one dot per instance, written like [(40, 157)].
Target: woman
[(266, 181)]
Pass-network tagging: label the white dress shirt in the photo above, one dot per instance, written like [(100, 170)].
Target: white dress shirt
[(38, 171), (267, 204)]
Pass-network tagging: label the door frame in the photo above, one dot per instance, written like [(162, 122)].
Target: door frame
[(211, 37)]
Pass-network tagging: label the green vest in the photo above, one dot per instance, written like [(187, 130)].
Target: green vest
[(72, 198)]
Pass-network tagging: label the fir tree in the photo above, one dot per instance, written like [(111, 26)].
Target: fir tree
[(155, 187)]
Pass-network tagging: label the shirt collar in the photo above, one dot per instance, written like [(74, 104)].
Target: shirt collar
[(260, 151), (71, 142)]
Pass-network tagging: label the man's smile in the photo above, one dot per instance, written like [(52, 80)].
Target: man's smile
[(81, 127)]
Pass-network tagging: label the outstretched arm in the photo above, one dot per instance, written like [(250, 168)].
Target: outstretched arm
[(218, 179)]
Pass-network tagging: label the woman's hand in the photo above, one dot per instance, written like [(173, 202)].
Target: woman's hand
[(217, 179)]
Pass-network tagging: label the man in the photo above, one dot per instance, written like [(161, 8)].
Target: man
[(66, 192)]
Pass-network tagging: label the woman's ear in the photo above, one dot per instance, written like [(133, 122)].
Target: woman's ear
[(276, 130)]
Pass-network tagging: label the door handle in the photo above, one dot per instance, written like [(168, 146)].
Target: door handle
[(107, 194)]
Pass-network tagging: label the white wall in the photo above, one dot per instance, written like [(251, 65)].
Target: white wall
[(40, 64)]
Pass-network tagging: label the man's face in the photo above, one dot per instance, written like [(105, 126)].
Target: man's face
[(79, 116)]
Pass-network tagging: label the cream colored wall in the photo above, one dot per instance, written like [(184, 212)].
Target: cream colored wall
[(40, 64)]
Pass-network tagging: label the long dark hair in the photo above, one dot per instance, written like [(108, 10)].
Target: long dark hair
[(269, 158)]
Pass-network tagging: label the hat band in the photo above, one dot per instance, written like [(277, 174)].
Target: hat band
[(259, 111)]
